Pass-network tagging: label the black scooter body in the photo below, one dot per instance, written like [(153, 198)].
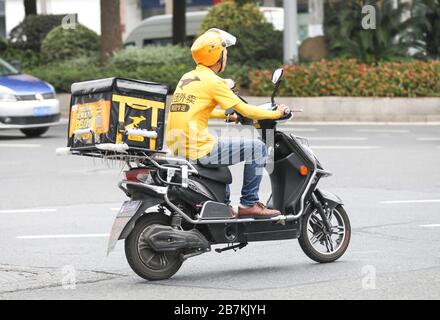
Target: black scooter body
[(287, 187), (196, 209)]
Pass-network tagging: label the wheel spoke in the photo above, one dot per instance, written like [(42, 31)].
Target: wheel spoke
[(330, 240), (328, 245), (151, 257), (163, 260), (316, 237), (330, 215), (143, 246)]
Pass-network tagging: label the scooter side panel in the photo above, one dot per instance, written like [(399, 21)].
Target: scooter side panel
[(270, 231), (286, 181), (256, 231)]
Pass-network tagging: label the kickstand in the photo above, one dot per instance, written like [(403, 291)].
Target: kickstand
[(234, 247)]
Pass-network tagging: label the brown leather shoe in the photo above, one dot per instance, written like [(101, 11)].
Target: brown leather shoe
[(259, 210)]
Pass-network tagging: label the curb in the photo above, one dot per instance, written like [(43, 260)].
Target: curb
[(344, 110)]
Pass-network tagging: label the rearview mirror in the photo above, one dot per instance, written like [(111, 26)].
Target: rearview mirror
[(277, 75)]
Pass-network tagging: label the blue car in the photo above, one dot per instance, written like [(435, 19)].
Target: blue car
[(26, 103)]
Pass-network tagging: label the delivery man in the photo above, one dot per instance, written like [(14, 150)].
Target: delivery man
[(197, 94)]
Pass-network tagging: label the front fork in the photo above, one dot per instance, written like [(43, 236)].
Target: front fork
[(321, 212)]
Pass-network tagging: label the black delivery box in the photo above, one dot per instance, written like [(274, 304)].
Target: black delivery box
[(107, 110)]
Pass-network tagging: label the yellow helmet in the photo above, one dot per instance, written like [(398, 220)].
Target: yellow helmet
[(208, 48)]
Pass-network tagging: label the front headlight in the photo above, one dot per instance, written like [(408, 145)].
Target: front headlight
[(7, 97)]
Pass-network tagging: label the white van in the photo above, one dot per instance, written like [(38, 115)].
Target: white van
[(157, 30)]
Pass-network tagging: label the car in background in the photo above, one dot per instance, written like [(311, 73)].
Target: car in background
[(157, 30), (26, 103)]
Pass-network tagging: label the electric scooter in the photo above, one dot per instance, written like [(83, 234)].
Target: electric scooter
[(175, 209)]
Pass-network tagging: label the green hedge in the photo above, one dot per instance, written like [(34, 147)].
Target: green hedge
[(62, 44), (154, 63), (158, 64), (27, 57), (323, 78), (32, 30), (351, 78), (62, 74)]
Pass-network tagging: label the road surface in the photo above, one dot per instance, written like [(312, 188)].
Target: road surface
[(56, 212)]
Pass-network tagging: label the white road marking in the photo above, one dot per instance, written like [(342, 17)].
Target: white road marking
[(65, 236), (337, 138), (410, 201), (382, 130), (115, 209), (435, 225), (19, 145), (28, 211), (428, 139), (345, 147)]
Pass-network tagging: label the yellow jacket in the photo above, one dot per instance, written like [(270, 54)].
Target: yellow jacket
[(197, 94)]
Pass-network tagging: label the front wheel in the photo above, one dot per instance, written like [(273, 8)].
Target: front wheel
[(320, 244), (147, 263)]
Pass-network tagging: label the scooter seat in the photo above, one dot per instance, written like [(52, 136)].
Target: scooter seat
[(220, 174)]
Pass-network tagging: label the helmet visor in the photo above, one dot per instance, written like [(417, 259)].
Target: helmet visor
[(227, 38)]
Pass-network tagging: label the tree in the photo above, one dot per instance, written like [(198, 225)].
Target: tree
[(257, 41), (111, 35), (432, 28), (393, 35), (179, 22), (30, 7)]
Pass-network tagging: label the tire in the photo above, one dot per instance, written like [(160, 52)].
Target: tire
[(306, 243), (155, 269), (34, 132)]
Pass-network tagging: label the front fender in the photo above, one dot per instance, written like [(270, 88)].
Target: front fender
[(126, 219), (331, 199)]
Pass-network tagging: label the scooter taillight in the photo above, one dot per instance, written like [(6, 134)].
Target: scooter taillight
[(137, 175)]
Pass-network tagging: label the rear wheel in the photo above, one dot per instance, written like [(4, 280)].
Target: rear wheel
[(34, 132), (147, 263), (320, 244)]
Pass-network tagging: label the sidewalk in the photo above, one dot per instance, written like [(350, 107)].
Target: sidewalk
[(343, 109)]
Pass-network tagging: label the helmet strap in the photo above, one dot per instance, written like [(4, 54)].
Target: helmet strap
[(221, 61)]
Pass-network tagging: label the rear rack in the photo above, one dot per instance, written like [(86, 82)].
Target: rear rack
[(122, 152)]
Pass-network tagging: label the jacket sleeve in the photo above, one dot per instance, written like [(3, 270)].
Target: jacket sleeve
[(227, 99), (217, 114)]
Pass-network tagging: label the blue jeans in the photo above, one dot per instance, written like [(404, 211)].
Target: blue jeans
[(230, 150)]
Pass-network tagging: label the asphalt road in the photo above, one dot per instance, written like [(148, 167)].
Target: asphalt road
[(55, 213)]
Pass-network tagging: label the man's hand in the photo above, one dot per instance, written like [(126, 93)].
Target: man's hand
[(282, 109)]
